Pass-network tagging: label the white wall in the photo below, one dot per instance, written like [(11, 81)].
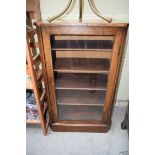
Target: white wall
[(116, 9)]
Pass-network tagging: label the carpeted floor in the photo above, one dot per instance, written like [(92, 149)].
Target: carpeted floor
[(115, 142)]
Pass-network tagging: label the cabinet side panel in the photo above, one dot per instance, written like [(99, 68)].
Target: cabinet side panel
[(123, 40), (114, 72), (50, 75), (42, 57)]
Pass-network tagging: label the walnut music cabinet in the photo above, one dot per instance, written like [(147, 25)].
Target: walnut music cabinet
[(81, 63)]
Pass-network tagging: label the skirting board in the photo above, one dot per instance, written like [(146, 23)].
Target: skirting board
[(120, 103)]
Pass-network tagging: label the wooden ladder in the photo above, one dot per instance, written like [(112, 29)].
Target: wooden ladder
[(37, 84)]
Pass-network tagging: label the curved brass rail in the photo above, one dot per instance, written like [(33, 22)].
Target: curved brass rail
[(80, 10), (109, 20), (50, 19)]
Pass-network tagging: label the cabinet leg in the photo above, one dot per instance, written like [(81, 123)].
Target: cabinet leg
[(123, 125)]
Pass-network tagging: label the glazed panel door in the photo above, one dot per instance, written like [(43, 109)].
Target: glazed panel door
[(82, 64)]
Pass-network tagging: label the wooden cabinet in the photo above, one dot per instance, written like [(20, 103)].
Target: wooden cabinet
[(81, 64)]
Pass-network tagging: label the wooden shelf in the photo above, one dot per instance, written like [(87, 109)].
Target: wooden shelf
[(81, 49), (85, 43), (32, 121), (82, 37), (81, 81), (83, 54), (79, 112), (82, 65), (80, 97)]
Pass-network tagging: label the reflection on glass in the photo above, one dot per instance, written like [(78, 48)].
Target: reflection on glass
[(81, 67)]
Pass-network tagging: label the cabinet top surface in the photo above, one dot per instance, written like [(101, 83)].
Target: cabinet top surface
[(83, 23)]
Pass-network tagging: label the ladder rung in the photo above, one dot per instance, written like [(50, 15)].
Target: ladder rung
[(31, 14), (42, 96), (45, 108), (39, 75), (36, 58), (34, 45), (31, 32)]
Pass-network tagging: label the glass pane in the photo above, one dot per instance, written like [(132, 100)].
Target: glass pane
[(81, 65), (80, 97), (81, 81), (85, 65), (75, 112), (81, 42)]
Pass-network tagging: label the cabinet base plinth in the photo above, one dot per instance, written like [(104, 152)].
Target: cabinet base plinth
[(58, 127)]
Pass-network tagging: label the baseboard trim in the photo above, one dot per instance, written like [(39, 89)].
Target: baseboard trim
[(121, 103)]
